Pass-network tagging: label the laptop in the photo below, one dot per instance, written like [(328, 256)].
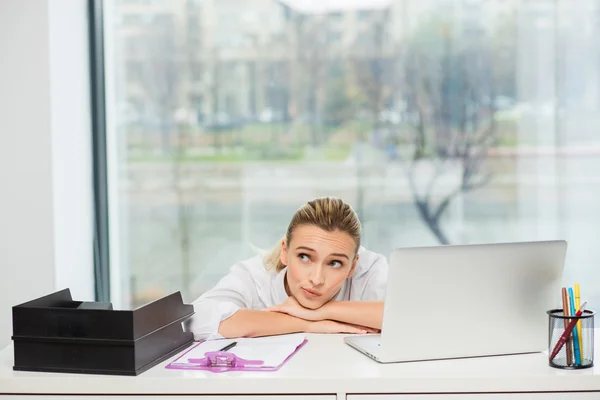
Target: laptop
[(473, 300)]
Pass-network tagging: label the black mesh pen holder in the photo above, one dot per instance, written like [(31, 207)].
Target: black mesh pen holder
[(578, 350)]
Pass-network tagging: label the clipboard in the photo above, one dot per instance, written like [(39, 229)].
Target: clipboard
[(247, 357)]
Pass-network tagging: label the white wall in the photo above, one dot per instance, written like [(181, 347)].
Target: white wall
[(71, 145), (45, 140)]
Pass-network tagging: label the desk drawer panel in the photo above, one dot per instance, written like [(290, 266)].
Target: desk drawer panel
[(168, 397), (495, 396)]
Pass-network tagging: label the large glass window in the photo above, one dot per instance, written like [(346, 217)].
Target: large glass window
[(440, 121)]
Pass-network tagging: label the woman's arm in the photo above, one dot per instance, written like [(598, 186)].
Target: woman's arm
[(364, 313), (254, 323)]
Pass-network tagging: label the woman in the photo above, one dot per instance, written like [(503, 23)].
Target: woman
[(317, 279)]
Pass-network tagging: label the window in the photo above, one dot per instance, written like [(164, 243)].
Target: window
[(454, 131), (364, 14)]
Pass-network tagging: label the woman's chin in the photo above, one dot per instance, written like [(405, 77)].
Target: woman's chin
[(311, 304)]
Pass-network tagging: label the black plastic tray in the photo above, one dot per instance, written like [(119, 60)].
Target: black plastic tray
[(54, 333)]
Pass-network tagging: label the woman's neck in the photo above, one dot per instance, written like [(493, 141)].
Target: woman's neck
[(285, 284)]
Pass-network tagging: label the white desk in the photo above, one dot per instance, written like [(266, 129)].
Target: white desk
[(323, 369)]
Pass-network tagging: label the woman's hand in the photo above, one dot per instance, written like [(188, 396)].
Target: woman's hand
[(320, 322), (328, 326), (295, 309)]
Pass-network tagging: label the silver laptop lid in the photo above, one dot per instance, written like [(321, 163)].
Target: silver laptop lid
[(470, 300)]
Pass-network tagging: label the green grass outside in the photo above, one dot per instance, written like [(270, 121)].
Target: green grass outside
[(284, 143)]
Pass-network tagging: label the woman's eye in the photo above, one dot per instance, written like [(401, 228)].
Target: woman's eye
[(303, 257), (336, 264)]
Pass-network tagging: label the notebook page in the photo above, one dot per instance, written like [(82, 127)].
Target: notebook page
[(273, 350)]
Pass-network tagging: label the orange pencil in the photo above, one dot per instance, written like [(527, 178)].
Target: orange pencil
[(565, 304)]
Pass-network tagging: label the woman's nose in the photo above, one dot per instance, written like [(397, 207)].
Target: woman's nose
[(316, 276)]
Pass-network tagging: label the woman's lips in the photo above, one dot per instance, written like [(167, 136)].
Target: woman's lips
[(311, 293)]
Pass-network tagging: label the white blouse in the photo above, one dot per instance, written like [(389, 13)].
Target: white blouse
[(249, 285)]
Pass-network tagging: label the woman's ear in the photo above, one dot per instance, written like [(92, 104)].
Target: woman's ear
[(353, 267), (283, 255)]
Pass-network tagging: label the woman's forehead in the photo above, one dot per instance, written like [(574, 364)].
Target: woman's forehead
[(322, 240)]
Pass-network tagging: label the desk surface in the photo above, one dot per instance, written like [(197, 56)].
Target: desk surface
[(325, 365)]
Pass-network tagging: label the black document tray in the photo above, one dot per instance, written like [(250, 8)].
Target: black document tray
[(54, 333)]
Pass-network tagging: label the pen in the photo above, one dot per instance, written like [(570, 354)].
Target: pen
[(229, 346), (566, 333)]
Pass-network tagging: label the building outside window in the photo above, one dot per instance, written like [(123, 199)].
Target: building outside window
[(445, 122)]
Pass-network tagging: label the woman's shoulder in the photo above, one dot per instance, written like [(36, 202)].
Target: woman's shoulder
[(370, 262), (370, 276), (254, 266)]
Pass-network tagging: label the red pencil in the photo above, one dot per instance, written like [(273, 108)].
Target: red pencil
[(567, 333)]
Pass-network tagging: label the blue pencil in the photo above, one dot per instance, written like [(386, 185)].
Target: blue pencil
[(575, 333)]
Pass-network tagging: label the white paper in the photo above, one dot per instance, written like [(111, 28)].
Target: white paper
[(273, 350)]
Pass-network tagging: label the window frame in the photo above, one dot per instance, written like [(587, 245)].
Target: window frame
[(99, 151)]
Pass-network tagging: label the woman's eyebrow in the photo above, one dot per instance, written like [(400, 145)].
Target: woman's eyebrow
[(305, 248), (340, 255)]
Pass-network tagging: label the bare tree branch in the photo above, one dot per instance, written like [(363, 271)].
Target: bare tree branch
[(449, 99)]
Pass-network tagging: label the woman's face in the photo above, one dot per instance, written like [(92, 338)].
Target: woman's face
[(318, 263)]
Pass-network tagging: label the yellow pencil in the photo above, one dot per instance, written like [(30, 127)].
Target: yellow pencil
[(577, 305)]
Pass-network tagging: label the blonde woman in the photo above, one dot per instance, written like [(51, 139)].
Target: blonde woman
[(317, 279)]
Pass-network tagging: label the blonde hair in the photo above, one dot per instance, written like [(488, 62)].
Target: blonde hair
[(328, 213)]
